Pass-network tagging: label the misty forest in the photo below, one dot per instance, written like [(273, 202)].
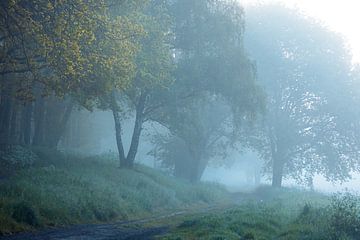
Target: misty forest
[(176, 119)]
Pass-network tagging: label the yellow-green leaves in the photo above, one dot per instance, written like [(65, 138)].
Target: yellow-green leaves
[(70, 46)]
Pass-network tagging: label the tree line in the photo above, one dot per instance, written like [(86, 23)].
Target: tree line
[(282, 89)]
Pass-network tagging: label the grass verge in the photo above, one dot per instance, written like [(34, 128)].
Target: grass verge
[(282, 214), (61, 190)]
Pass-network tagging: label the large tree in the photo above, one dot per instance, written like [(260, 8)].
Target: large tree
[(215, 90), (305, 69)]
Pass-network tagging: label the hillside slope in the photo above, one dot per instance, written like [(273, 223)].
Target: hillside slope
[(61, 190)]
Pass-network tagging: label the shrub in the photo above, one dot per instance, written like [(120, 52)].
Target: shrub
[(15, 156), (345, 216), (24, 213)]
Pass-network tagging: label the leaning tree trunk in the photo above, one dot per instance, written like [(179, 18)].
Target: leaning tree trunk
[(139, 119), (118, 130), (128, 161)]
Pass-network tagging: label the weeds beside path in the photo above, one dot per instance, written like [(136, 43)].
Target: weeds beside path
[(141, 229)]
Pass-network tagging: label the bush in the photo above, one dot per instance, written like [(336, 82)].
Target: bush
[(16, 156), (345, 216), (24, 213)]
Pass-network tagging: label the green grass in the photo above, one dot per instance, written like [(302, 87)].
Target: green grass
[(283, 214), (61, 190)]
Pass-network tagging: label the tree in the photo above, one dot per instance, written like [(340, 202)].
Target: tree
[(73, 49), (305, 70), (215, 91), (154, 65)]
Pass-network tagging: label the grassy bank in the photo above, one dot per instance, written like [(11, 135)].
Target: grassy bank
[(282, 214), (60, 190)]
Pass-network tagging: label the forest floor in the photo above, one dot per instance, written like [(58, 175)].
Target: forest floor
[(146, 228), (263, 214), (154, 227), (67, 197), (61, 190)]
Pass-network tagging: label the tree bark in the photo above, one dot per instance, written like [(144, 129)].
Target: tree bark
[(118, 130), (199, 169), (139, 119), (13, 123), (59, 125), (277, 175), (39, 121), (5, 118), (26, 123)]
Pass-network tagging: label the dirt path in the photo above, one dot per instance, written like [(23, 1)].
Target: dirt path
[(125, 230), (91, 232), (141, 229)]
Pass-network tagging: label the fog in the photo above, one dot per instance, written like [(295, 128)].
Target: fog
[(239, 171), (147, 112)]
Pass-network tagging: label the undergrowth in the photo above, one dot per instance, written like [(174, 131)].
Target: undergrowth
[(60, 190), (282, 214)]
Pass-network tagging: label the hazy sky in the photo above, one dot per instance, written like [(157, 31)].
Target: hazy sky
[(342, 16)]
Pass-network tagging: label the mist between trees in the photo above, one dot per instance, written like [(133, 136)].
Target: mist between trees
[(197, 81)]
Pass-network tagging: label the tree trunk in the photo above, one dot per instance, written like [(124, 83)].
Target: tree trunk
[(199, 170), (277, 175), (139, 119), (26, 123), (13, 123), (118, 130), (5, 118), (39, 121), (59, 129)]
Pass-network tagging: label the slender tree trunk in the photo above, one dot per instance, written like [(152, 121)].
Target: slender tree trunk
[(3, 106), (39, 121), (277, 175), (6, 119), (59, 126), (139, 119), (277, 159), (118, 130), (26, 117), (13, 124), (257, 176)]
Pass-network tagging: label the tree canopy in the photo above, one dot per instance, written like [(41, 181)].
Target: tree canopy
[(306, 72)]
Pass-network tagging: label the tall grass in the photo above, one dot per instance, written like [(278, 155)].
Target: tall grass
[(282, 214), (61, 190)]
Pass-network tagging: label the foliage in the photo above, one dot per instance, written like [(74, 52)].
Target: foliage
[(277, 214), (16, 157), (345, 216), (306, 72), (152, 76), (264, 214), (213, 79), (68, 45), (22, 213)]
